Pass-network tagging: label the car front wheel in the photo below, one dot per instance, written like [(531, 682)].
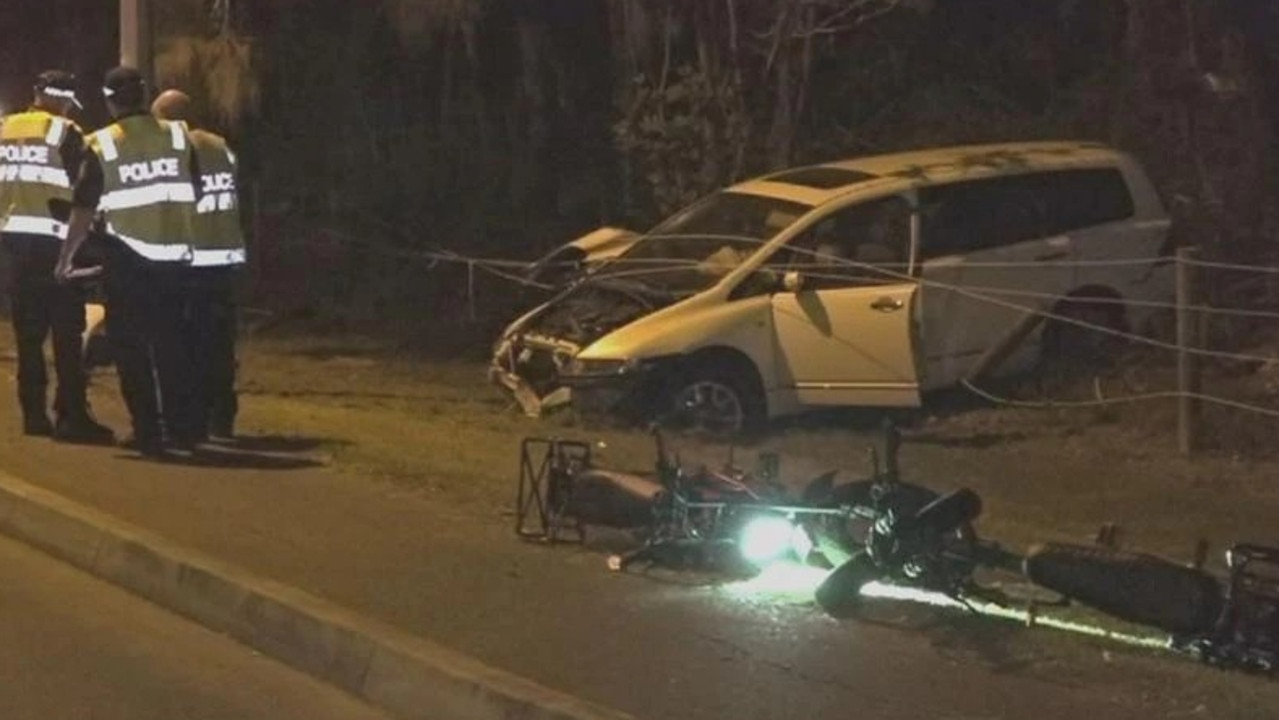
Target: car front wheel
[(718, 398)]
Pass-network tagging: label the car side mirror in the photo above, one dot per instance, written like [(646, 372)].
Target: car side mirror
[(793, 281)]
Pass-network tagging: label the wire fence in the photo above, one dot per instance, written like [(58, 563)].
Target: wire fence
[(1042, 304)]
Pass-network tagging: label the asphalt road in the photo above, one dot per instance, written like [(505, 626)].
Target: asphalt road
[(656, 647), (74, 647)]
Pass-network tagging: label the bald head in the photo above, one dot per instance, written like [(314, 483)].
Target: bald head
[(172, 105)]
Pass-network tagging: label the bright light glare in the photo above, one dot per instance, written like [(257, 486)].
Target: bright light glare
[(898, 592), (765, 538), (781, 581)]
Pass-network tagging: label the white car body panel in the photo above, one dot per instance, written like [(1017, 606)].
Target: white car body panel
[(844, 346)]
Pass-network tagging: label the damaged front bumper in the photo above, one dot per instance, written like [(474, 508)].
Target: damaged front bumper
[(537, 358), (529, 367), (542, 374)]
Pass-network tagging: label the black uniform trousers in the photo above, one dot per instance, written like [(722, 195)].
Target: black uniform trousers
[(41, 307), (147, 306), (210, 331)]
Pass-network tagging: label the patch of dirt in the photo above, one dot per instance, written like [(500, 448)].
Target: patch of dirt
[(1045, 473), (1058, 472)]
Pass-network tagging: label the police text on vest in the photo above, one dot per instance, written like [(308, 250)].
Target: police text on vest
[(149, 170), (218, 182), (25, 154)]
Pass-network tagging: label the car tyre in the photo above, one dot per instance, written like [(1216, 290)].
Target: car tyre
[(719, 397), (1079, 345)]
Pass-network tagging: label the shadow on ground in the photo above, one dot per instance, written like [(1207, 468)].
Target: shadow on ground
[(261, 452), (233, 460), (281, 444)]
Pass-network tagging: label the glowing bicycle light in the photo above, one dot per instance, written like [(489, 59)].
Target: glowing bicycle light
[(766, 538)]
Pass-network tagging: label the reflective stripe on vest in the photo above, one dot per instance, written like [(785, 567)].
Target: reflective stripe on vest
[(57, 131), (40, 174), (107, 144), (177, 132), (136, 197), (148, 197), (35, 226), (153, 251), (32, 172), (215, 258)]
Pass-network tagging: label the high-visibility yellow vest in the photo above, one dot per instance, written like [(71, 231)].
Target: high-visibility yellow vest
[(148, 196), (32, 172), (219, 239)]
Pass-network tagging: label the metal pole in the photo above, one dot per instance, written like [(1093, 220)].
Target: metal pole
[(998, 353), (136, 37), (470, 290), (1188, 377)]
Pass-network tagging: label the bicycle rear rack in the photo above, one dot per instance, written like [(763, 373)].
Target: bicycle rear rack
[(547, 470)]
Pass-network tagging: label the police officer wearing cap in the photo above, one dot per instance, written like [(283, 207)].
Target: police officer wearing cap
[(141, 174), (218, 254), (41, 150)]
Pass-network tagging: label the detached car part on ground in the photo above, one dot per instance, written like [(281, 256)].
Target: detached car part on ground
[(860, 283), (882, 530)]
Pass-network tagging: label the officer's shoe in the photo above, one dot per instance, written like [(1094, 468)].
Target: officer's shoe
[(221, 433), (147, 447), (182, 444), (86, 431), (37, 426)]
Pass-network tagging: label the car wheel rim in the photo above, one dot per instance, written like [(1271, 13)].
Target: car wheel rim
[(710, 407)]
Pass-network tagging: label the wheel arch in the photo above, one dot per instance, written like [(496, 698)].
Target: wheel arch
[(681, 368), (1093, 291), (729, 356), (1114, 302)]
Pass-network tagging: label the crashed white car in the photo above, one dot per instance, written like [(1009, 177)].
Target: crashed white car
[(865, 282)]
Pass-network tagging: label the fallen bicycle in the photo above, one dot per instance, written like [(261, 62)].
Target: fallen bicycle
[(886, 531)]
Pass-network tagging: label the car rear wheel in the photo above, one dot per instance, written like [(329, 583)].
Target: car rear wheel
[(1087, 333)]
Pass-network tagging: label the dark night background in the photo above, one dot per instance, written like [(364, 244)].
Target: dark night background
[(503, 127)]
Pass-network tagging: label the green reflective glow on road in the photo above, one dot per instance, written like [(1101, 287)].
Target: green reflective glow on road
[(794, 583)]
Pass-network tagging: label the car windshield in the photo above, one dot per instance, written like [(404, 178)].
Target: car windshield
[(697, 246)]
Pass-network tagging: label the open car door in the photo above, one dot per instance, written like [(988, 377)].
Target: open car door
[(849, 345), (847, 325)]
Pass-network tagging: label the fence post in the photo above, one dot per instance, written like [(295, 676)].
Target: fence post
[(470, 291), (1189, 380)]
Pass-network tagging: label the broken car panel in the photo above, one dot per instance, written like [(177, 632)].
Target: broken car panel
[(865, 282)]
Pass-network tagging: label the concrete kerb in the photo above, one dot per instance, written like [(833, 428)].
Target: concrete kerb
[(403, 674)]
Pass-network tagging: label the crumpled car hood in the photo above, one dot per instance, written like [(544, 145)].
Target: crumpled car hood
[(532, 352), (591, 311)]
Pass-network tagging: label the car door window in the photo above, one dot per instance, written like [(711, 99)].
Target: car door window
[(1076, 199), (980, 215), (866, 244)]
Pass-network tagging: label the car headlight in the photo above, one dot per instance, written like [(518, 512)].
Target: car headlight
[(580, 366)]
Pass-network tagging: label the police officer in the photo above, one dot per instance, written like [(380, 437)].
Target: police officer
[(218, 254), (40, 151), (141, 174)]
